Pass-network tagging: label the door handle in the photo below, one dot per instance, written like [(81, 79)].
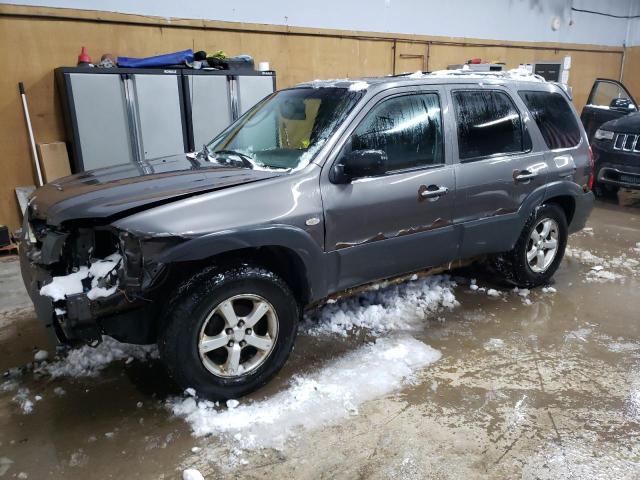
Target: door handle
[(523, 175), (432, 191)]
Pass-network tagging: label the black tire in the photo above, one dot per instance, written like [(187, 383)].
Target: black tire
[(513, 267), (180, 330)]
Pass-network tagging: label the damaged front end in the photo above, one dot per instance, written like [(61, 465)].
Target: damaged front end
[(87, 280)]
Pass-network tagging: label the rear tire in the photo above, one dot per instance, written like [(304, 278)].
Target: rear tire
[(203, 349), (535, 257)]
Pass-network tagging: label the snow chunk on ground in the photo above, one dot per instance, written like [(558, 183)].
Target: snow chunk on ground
[(494, 344), (623, 347), (192, 474), (22, 398), (334, 392), (580, 334), (402, 306), (492, 292), (40, 356), (600, 275), (88, 361)]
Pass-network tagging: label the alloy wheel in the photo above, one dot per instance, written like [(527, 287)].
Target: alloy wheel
[(238, 335), (542, 246)]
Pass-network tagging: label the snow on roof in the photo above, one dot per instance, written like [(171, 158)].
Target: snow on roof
[(353, 85), (513, 74), (519, 74)]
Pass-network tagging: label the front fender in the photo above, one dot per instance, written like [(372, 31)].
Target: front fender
[(287, 236)]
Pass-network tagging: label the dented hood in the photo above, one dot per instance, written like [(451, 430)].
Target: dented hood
[(113, 192)]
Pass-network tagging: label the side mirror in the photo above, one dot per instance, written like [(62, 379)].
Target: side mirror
[(622, 105), (359, 163)]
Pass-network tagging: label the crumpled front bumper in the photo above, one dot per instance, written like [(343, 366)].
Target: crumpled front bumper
[(34, 277), (78, 323)]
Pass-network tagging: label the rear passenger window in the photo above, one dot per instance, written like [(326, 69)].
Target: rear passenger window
[(488, 123), (407, 128), (554, 118)]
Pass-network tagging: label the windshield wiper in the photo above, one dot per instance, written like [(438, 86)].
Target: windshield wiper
[(245, 159), (204, 153)]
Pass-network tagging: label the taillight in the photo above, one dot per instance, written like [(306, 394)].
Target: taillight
[(592, 173)]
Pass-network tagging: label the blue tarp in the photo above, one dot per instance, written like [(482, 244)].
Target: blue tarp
[(157, 61)]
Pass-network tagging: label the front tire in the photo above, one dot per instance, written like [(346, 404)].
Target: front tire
[(539, 250), (230, 333)]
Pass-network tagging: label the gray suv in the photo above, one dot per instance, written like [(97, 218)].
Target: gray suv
[(318, 189)]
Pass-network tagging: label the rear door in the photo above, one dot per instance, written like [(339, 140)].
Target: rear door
[(608, 100), (498, 166)]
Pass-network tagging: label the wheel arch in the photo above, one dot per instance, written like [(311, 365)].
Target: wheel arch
[(289, 252)]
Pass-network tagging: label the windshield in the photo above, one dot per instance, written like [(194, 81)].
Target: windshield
[(287, 129)]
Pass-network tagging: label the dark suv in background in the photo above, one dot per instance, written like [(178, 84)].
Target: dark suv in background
[(316, 190), (612, 122)]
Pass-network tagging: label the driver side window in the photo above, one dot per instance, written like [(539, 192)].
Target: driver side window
[(407, 128)]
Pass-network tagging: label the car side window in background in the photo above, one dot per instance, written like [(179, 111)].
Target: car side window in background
[(554, 118), (605, 93), (407, 128), (488, 123)]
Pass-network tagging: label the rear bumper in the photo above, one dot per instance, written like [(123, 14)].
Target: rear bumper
[(583, 207)]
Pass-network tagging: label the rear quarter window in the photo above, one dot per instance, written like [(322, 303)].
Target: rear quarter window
[(554, 118)]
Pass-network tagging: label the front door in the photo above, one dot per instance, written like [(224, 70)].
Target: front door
[(608, 100), (399, 221)]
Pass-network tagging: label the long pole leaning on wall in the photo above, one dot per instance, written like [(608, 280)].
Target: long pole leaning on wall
[(32, 140)]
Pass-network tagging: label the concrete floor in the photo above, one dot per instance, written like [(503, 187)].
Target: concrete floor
[(546, 390)]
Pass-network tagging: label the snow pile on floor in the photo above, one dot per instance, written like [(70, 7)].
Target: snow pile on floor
[(64, 285), (335, 391), (88, 361), (601, 268), (402, 306), (599, 274)]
